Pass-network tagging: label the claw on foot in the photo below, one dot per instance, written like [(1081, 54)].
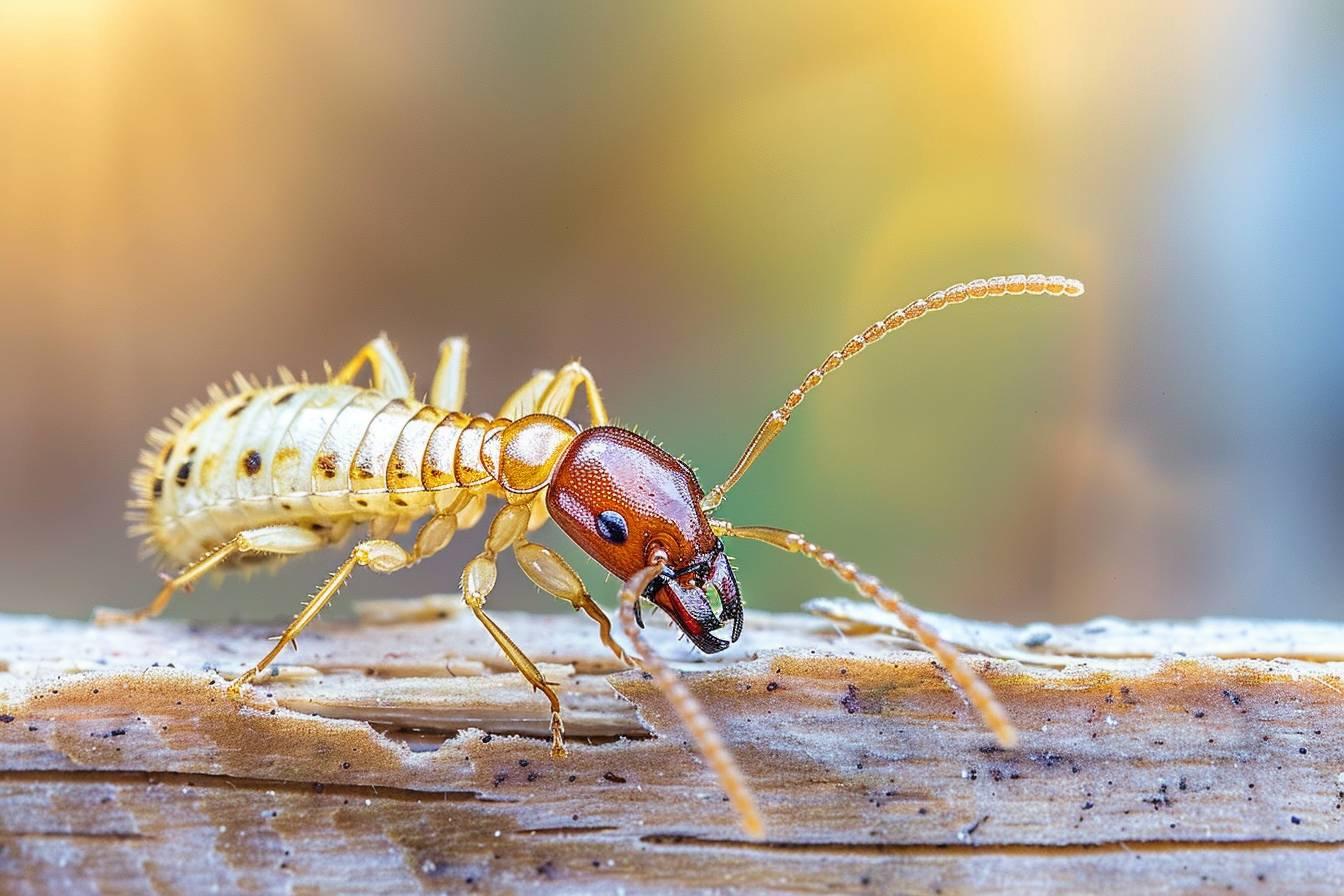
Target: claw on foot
[(558, 750), (237, 685)]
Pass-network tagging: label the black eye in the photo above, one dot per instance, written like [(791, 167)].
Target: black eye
[(611, 526)]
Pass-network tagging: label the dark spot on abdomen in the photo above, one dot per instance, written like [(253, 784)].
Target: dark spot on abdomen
[(326, 462), (252, 462)]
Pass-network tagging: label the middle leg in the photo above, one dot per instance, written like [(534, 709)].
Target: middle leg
[(551, 573), (389, 374), (478, 580), (559, 397), (526, 398), (449, 389)]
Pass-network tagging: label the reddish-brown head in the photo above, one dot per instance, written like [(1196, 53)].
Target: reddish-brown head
[(629, 505)]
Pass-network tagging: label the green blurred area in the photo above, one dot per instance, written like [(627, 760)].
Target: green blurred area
[(700, 201)]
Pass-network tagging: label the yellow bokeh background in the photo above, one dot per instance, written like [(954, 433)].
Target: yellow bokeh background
[(701, 200)]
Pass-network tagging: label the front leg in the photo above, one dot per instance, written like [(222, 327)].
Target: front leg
[(552, 573)]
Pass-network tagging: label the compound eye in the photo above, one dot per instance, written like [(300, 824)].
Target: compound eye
[(611, 526)]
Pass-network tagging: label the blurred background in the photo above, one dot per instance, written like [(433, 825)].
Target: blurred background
[(700, 201)]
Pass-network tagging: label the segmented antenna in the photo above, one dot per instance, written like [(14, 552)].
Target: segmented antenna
[(1017, 284), (977, 692), (689, 710)]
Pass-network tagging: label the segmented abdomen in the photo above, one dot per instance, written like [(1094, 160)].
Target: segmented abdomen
[(318, 455)]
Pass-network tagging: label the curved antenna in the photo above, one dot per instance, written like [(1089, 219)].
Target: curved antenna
[(977, 692), (699, 726), (1017, 284)]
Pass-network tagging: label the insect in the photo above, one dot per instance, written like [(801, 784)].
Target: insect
[(269, 471)]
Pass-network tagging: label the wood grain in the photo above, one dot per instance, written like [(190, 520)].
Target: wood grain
[(399, 754)]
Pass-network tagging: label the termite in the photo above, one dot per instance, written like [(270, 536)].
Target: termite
[(268, 471)]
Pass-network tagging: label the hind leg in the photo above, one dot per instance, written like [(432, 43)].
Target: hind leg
[(266, 540), (378, 555)]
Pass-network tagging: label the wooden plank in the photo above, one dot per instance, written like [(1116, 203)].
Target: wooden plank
[(404, 756)]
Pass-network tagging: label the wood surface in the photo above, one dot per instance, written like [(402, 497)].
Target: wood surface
[(397, 753)]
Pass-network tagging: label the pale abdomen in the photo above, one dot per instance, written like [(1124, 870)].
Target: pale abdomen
[(321, 456)]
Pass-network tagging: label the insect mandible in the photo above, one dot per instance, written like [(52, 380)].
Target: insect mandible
[(269, 471)]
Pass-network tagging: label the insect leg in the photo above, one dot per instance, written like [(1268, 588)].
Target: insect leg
[(434, 535), (530, 672), (774, 423), (389, 374), (376, 554), (449, 391), (539, 512), (478, 580), (439, 529), (559, 398), (471, 512), (689, 710), (981, 697), (551, 573), (526, 398), (268, 539)]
